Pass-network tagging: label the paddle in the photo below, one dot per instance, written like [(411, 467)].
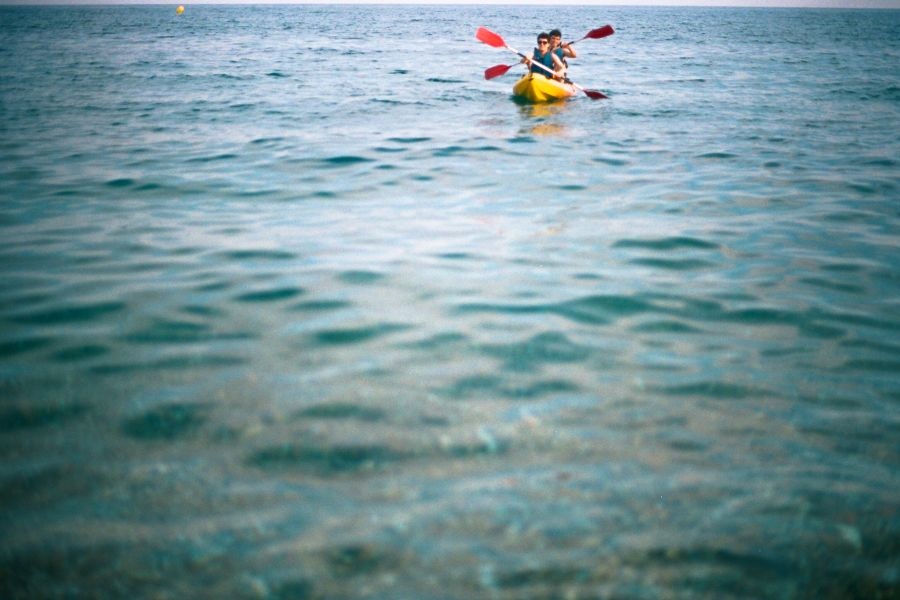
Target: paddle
[(592, 94), (492, 39), (596, 34), (496, 71)]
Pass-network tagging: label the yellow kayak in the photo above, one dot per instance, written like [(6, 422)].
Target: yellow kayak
[(534, 87)]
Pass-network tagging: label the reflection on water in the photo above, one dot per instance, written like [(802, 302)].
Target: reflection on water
[(542, 110), (549, 129), (542, 119)]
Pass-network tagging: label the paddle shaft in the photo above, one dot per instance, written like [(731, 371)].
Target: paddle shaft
[(592, 94), (534, 62)]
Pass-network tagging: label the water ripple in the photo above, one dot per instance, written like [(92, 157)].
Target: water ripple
[(72, 313), (394, 332)]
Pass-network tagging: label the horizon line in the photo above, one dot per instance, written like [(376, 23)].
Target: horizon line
[(804, 4)]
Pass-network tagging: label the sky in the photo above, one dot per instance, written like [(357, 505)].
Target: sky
[(893, 4)]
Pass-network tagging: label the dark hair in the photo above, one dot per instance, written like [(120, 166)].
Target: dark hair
[(555, 32), (543, 36)]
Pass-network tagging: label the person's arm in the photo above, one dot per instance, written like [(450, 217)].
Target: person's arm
[(569, 51), (558, 65), (526, 60)]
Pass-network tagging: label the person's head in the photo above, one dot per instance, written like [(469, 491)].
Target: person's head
[(555, 38), (543, 41)]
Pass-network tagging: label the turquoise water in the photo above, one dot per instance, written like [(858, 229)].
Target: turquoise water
[(295, 304)]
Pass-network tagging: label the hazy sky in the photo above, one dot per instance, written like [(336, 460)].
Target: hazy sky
[(894, 4)]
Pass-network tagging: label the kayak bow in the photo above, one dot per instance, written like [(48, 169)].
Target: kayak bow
[(534, 87)]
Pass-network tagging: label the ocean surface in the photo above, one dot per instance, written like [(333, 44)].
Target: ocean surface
[(295, 304)]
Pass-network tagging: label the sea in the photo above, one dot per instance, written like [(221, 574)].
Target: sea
[(295, 304)]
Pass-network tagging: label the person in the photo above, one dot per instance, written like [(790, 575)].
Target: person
[(561, 50), (542, 55)]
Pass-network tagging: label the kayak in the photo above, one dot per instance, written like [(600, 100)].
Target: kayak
[(534, 87)]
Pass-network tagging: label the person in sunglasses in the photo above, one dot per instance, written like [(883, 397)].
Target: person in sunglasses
[(542, 55)]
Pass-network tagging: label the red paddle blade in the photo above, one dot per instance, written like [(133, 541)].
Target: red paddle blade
[(496, 71), (600, 32), (595, 95), (489, 37)]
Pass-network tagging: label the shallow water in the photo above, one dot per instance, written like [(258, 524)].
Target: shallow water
[(295, 306)]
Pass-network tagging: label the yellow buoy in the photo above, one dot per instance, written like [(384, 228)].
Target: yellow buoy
[(179, 10)]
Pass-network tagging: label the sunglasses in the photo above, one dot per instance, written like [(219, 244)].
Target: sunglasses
[(542, 42)]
